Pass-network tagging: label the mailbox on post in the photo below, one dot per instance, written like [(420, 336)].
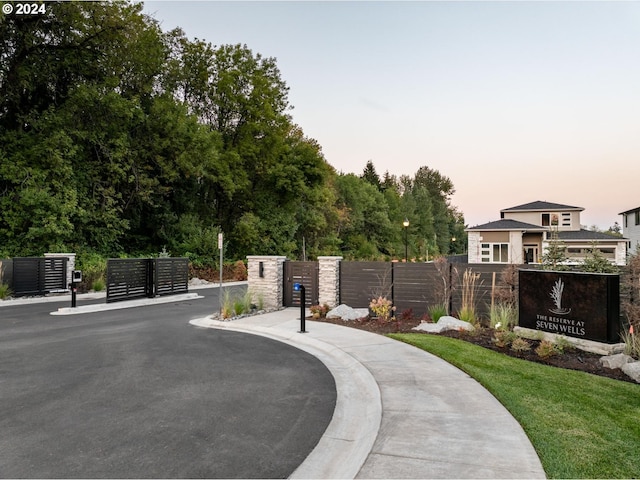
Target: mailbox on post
[(298, 287), (76, 278)]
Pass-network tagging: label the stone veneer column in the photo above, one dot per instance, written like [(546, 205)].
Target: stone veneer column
[(270, 286), (71, 263), (329, 281)]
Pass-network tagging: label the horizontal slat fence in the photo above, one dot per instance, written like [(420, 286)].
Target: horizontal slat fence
[(362, 281), (415, 286), (171, 276), (38, 275), (128, 278)]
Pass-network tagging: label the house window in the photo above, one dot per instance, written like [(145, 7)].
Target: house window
[(637, 217), (566, 219), (494, 253), (545, 220)]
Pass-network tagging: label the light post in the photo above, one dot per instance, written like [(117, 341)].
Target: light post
[(406, 239)]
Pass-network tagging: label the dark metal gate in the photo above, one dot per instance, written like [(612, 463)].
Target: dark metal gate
[(305, 273), (171, 276), (38, 275), (130, 278)]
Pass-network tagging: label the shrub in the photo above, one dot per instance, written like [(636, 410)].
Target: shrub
[(98, 285), (319, 311), (247, 301), (407, 314), (503, 316), (563, 345), (520, 345), (470, 286), (504, 338), (94, 268), (5, 291), (467, 314), (239, 271), (631, 343), (226, 307), (381, 308), (238, 306), (437, 311), (546, 349)]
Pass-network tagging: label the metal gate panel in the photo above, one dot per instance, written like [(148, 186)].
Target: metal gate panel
[(305, 273), (129, 278), (38, 275), (171, 276)]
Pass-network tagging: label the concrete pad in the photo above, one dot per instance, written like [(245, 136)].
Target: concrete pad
[(401, 412)]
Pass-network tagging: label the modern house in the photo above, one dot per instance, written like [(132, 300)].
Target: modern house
[(524, 232), (631, 228)]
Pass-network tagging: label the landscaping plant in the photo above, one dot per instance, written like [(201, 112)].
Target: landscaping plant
[(5, 291), (470, 286), (437, 311), (382, 308)]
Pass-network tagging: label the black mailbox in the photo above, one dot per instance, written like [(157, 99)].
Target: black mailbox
[(76, 276)]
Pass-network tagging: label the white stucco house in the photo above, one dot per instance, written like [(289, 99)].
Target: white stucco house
[(631, 228), (523, 233)]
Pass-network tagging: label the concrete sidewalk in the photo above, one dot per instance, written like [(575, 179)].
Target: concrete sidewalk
[(400, 412)]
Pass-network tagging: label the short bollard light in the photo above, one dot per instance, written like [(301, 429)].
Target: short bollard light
[(298, 287)]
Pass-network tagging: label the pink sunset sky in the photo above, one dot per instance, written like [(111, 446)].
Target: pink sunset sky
[(513, 101)]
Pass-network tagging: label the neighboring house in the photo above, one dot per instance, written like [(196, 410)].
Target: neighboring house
[(523, 233), (631, 228)]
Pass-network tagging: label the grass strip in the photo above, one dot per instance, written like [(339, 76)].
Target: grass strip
[(581, 425)]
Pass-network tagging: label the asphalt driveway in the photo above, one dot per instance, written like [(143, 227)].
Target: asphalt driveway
[(140, 393)]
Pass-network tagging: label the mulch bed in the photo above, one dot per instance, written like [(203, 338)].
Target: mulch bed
[(573, 359)]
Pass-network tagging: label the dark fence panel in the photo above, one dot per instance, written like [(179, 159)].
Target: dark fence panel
[(415, 287), (129, 278), (38, 276), (360, 282), (304, 273), (171, 276)]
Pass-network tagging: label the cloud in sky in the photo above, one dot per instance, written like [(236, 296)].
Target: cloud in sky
[(514, 101)]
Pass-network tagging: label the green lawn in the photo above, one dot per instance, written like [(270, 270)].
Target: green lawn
[(581, 425)]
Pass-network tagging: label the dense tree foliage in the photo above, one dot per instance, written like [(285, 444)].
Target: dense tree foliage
[(116, 137)]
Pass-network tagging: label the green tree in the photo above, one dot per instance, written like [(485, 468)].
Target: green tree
[(554, 256), (370, 175), (596, 262)]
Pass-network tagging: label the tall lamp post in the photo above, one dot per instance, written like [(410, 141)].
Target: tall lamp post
[(406, 239)]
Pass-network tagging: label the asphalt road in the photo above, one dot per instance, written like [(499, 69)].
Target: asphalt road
[(140, 393)]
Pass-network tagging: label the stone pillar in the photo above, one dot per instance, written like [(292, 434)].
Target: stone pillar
[(265, 276), (71, 263), (329, 281)]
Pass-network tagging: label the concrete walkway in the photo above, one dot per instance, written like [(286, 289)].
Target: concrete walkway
[(400, 412)]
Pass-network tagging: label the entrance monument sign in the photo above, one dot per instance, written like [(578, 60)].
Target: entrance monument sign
[(574, 304)]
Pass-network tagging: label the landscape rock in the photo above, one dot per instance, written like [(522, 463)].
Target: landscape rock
[(444, 323), (632, 370), (615, 361), (345, 312)]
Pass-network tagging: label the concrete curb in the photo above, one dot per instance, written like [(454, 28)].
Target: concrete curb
[(349, 438), (101, 307), (432, 420), (96, 295)]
